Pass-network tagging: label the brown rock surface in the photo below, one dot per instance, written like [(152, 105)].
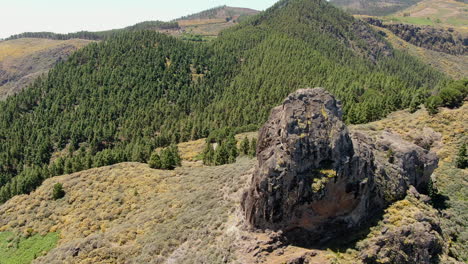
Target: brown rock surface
[(314, 175)]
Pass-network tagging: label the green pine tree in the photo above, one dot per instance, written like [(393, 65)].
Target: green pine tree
[(208, 154), (221, 156), (253, 147), (244, 147), (432, 104), (231, 146), (58, 191), (155, 161), (175, 155)]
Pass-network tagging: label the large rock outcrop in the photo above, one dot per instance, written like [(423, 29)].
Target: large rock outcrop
[(314, 175)]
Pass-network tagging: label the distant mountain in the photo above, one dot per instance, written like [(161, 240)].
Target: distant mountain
[(99, 35), (218, 18), (23, 60), (373, 7), (221, 12)]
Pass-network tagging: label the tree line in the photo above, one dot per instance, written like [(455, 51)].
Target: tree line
[(99, 35)]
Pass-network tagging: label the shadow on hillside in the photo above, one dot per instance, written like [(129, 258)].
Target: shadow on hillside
[(439, 201), (339, 240)]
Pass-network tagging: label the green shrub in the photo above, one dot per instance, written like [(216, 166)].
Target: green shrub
[(168, 159), (253, 147), (462, 158), (451, 97), (58, 192), (244, 146), (432, 104), (155, 161)]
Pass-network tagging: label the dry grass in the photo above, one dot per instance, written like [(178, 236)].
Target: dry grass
[(129, 212), (18, 48), (197, 22), (23, 60), (443, 13)]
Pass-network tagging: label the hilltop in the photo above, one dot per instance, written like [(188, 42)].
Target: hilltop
[(23, 60), (207, 23)]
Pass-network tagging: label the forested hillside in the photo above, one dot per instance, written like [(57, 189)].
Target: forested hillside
[(118, 100)]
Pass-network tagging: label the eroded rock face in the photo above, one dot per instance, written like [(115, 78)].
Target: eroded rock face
[(314, 175)]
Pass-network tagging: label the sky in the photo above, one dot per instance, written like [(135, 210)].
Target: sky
[(64, 16)]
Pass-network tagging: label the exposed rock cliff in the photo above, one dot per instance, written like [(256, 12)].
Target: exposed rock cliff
[(314, 175), (437, 39)]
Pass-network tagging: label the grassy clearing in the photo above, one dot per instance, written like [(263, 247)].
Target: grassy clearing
[(443, 13), (22, 47), (413, 20), (17, 249)]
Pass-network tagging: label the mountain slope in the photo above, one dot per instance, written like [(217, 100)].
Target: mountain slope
[(118, 100), (439, 13), (212, 21), (23, 60), (297, 44), (455, 66), (373, 7)]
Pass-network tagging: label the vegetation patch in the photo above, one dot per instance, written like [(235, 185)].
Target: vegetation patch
[(18, 249)]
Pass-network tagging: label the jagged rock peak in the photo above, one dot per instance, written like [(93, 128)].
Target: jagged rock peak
[(313, 174)]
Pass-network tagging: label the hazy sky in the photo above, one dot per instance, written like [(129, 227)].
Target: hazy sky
[(63, 16)]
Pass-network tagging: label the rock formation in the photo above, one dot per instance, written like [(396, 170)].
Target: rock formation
[(437, 39), (409, 233), (315, 175)]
